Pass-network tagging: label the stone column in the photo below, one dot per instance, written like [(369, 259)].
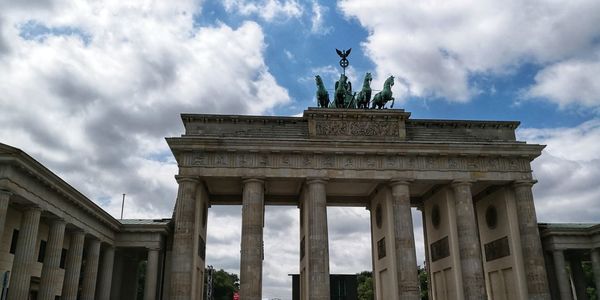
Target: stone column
[(90, 273), (73, 266), (318, 241), (151, 274), (561, 275), (106, 273), (468, 242), (51, 268), (182, 266), (531, 244), (406, 257), (595, 253), (252, 240), (4, 200), (25, 254)]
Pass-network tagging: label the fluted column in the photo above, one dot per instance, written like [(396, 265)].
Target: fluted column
[(151, 274), (561, 275), (25, 254), (468, 242), (183, 239), (531, 244), (318, 241), (73, 266), (595, 253), (49, 282), (106, 272), (90, 273), (4, 200), (406, 257), (252, 240)]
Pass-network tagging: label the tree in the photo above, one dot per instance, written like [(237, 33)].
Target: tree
[(422, 273), (224, 284), (365, 285)]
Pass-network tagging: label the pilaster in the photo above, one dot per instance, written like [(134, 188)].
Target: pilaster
[(531, 244), (252, 239), (49, 282), (25, 254), (468, 242)]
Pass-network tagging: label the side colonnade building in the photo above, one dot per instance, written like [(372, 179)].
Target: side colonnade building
[(471, 180), (57, 244)]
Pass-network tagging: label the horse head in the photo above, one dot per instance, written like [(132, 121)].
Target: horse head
[(319, 80)]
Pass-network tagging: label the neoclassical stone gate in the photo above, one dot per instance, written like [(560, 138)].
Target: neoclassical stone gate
[(470, 179)]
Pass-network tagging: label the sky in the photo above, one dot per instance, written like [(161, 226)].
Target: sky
[(91, 88)]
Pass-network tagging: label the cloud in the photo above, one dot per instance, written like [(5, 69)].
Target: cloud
[(318, 19), (439, 46), (94, 103), (568, 172), (569, 82), (268, 10)]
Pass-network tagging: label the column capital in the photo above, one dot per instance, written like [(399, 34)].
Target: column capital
[(312, 180), (185, 178), (32, 207), (400, 181), (56, 220), (461, 182), (153, 249), (253, 179), (524, 183), (5, 193)]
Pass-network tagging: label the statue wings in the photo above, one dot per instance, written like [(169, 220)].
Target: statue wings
[(343, 53)]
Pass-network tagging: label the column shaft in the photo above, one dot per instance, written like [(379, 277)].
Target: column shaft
[(318, 241), (468, 242), (595, 253), (90, 273), (4, 200), (25, 254), (151, 275), (252, 240), (531, 244), (106, 272), (561, 275), (182, 266), (49, 284), (406, 257), (73, 266)]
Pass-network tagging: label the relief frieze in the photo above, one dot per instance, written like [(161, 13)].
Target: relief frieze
[(357, 128), (354, 162)]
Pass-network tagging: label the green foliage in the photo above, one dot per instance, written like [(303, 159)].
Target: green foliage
[(365, 285), (589, 280), (224, 284), (423, 282)]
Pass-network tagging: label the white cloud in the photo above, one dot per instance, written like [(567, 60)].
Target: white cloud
[(568, 172), (436, 46), (573, 81), (318, 19), (95, 105), (268, 10)]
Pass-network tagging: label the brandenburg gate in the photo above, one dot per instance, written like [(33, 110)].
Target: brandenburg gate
[(471, 180)]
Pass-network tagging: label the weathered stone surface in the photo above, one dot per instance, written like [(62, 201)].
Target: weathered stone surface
[(252, 240)]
